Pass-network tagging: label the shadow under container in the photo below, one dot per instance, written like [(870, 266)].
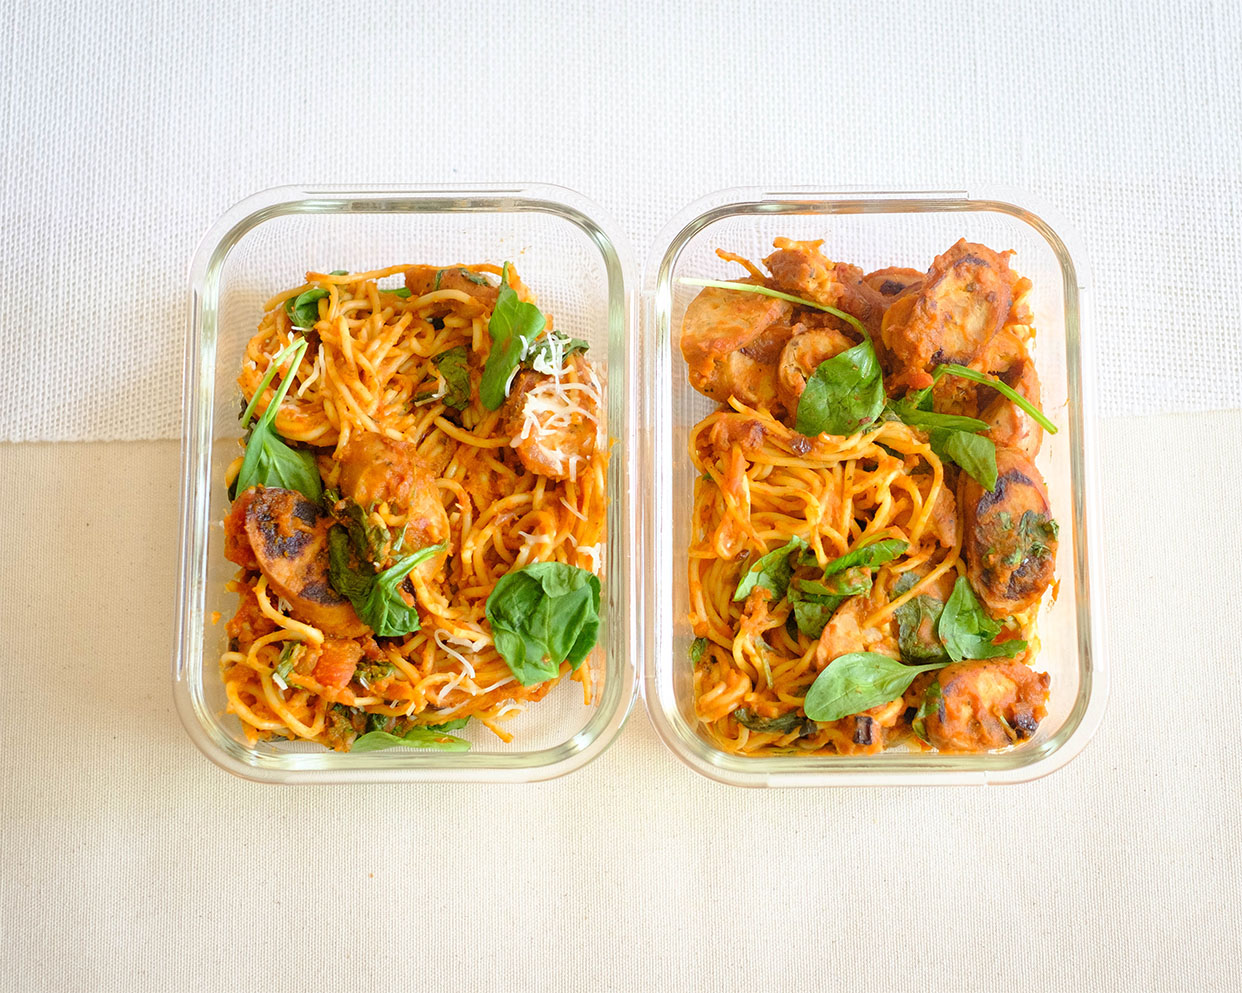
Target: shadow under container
[(874, 230), (581, 272)]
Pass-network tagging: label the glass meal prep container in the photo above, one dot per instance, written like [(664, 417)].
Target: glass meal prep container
[(872, 230), (580, 273)]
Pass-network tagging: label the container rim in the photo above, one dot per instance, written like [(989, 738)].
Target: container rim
[(887, 768), (620, 690)]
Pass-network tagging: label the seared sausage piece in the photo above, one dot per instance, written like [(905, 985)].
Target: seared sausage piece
[(1010, 540), (964, 301), (289, 539), (986, 705)]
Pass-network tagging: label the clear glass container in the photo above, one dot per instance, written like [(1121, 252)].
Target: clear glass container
[(581, 272), (873, 230)]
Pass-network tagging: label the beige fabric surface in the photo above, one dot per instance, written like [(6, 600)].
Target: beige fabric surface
[(131, 863)]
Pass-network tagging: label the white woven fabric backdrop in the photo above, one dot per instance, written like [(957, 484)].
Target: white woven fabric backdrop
[(128, 128)]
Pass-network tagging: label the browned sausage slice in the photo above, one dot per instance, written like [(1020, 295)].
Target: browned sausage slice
[(289, 538), (1010, 539)]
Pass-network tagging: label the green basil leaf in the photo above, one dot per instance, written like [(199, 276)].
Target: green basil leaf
[(419, 737), (454, 366), (967, 631), (542, 615), (771, 572), (697, 648), (784, 724), (856, 682), (975, 453), (930, 705), (874, 554), (844, 395), (513, 327), (384, 608), (303, 309)]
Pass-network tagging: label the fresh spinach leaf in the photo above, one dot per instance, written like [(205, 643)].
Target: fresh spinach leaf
[(967, 631), (856, 682), (514, 325), (844, 395), (400, 291), (814, 602), (874, 554), (1001, 387), (917, 621), (345, 579), (930, 705), (456, 724), (929, 419), (542, 615), (418, 737), (303, 309), (759, 288), (455, 368), (384, 609), (785, 724), (697, 648), (975, 453), (369, 539), (771, 572), (268, 460)]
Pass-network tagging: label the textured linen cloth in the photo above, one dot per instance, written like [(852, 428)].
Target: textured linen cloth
[(129, 128), (132, 863)]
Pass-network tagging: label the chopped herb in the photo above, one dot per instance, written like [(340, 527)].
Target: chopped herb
[(289, 656)]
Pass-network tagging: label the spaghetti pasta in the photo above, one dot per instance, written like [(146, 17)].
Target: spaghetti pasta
[(366, 580), (870, 539)]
